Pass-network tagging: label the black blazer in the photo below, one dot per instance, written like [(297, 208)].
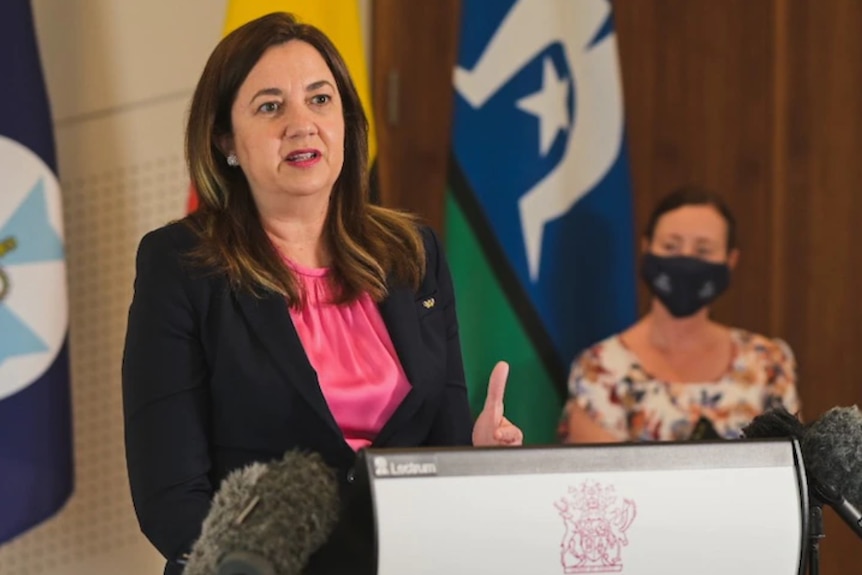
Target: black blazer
[(214, 380)]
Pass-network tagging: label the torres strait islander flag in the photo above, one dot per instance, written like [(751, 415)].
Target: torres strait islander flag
[(539, 211)]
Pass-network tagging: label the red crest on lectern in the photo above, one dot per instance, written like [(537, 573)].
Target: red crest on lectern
[(596, 521)]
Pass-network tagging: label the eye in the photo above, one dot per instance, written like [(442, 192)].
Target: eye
[(320, 99), (705, 249), (269, 107)]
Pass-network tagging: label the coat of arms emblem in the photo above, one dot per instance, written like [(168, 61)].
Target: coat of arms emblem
[(7, 245), (596, 522)]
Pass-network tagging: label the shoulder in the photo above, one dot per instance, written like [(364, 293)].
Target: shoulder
[(431, 242), (763, 347), (609, 344), (174, 236), (437, 270), (771, 355), (166, 251), (608, 358)]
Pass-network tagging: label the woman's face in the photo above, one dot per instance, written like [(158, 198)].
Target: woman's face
[(288, 125), (693, 231)]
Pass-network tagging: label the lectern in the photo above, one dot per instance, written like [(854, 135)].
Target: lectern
[(711, 508)]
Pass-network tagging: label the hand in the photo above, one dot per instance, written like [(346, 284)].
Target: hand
[(491, 428)]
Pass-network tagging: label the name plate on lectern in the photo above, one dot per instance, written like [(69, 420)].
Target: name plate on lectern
[(712, 508)]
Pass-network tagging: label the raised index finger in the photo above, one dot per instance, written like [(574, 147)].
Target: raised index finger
[(497, 388)]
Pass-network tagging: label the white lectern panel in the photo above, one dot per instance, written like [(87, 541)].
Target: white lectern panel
[(729, 508)]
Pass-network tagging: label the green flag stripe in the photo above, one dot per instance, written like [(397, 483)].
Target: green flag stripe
[(505, 276), (491, 330)]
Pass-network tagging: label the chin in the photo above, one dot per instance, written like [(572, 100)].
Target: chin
[(306, 191)]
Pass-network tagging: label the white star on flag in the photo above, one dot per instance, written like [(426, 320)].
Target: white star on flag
[(550, 105)]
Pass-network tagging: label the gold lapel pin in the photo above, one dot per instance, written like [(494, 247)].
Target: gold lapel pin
[(428, 303)]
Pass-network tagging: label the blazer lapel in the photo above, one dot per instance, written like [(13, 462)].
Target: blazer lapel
[(399, 314), (270, 319)]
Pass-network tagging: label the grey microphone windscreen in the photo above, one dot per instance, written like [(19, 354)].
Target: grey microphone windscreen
[(268, 518), (832, 450)]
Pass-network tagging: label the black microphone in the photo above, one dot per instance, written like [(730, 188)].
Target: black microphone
[(268, 519), (774, 423), (704, 429), (831, 452)]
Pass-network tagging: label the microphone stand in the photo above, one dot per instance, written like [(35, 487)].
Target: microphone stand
[(815, 534), (820, 493)]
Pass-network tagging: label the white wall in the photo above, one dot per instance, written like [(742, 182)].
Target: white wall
[(120, 75)]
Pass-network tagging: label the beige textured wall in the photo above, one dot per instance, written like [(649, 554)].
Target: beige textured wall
[(119, 76)]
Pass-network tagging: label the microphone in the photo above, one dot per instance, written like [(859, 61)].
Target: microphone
[(704, 429), (774, 423), (268, 519), (831, 451)]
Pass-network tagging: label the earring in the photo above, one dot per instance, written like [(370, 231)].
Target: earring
[(232, 160)]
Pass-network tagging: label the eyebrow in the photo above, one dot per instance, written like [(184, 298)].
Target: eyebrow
[(669, 236), (707, 241), (278, 92), (266, 92), (318, 85), (700, 240)]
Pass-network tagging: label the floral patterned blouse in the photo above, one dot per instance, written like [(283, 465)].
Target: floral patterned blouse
[(608, 383)]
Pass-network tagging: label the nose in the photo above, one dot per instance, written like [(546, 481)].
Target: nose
[(298, 123), (688, 250)]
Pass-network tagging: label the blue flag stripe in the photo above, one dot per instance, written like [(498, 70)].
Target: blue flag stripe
[(36, 466), (539, 140), (25, 116)]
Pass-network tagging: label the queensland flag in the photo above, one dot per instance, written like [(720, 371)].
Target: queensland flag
[(35, 419), (539, 214)]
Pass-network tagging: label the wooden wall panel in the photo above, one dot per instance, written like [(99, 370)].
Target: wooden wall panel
[(414, 51), (824, 186), (822, 260), (698, 83)]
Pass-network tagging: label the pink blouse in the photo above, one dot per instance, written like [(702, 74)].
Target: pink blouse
[(350, 348)]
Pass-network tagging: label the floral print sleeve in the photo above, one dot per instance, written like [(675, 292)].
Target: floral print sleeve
[(593, 388), (780, 388)]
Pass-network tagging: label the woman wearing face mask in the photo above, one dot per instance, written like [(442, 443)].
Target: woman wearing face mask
[(676, 374)]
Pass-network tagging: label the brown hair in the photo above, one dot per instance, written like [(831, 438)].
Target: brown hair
[(369, 244), (692, 195)]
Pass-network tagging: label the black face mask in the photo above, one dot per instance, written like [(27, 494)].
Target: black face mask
[(683, 284)]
